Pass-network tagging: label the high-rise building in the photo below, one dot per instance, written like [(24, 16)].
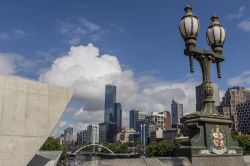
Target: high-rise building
[(156, 119), (156, 134), (171, 134), (93, 134), (141, 116), (142, 129), (233, 96), (199, 96), (133, 117), (61, 139), (167, 119), (117, 115), (107, 132), (127, 135), (243, 117), (82, 138), (110, 99), (177, 113), (68, 135), (153, 121)]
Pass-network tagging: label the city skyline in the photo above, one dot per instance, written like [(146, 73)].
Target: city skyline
[(72, 45)]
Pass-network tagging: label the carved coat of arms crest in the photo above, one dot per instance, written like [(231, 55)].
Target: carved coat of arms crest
[(218, 141)]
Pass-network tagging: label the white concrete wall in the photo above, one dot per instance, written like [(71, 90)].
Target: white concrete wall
[(29, 111)]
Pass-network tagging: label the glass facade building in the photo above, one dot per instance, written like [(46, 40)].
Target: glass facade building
[(68, 135), (93, 134), (133, 118), (110, 99), (107, 132), (177, 113), (118, 116)]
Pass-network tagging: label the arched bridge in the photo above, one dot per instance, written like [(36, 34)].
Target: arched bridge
[(94, 145)]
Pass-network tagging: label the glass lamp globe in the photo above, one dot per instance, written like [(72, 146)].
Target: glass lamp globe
[(216, 35), (189, 27)]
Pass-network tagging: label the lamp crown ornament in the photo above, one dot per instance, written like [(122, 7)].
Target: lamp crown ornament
[(188, 10)]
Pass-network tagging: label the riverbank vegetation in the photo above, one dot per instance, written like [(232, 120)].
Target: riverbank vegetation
[(244, 142), (163, 148)]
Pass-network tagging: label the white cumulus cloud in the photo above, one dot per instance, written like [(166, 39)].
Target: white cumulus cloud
[(85, 70)]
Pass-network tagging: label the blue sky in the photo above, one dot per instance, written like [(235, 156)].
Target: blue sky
[(142, 35)]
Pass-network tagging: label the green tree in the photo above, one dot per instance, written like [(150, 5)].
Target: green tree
[(163, 148), (117, 147), (123, 148), (51, 144), (244, 142), (152, 149)]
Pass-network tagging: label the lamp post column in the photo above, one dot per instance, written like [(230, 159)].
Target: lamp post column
[(144, 139)]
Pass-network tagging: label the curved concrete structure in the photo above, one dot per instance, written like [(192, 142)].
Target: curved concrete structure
[(29, 111)]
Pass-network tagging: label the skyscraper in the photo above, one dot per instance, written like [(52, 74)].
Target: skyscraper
[(167, 119), (117, 115), (233, 96), (107, 132), (135, 119), (82, 138), (199, 96), (133, 116), (68, 135), (110, 99), (93, 134), (177, 113)]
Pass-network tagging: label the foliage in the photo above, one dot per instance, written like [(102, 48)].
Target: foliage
[(117, 147), (163, 148), (244, 142), (63, 155), (152, 149), (51, 144)]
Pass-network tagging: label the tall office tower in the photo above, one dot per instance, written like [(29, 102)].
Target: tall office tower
[(68, 135), (82, 138), (107, 132), (140, 119), (233, 96), (93, 134), (117, 116), (133, 118), (199, 96), (110, 99), (177, 113), (243, 117), (167, 119)]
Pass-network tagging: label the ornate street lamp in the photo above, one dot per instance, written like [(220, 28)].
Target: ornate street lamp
[(189, 28), (202, 125)]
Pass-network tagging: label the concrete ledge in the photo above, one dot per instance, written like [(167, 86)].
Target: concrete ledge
[(174, 161), (218, 161)]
